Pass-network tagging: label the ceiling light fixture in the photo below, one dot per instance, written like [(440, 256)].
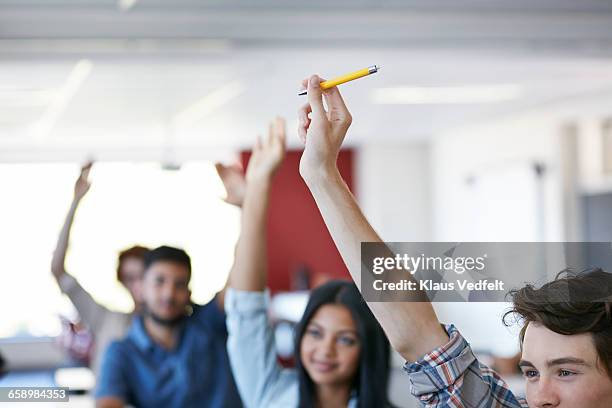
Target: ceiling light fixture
[(125, 5), (81, 71), (465, 94), (211, 102)]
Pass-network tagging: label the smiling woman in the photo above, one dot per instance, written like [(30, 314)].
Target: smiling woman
[(128, 204), (338, 341)]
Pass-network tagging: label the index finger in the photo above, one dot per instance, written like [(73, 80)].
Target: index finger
[(85, 170), (87, 165), (280, 127), (305, 82)]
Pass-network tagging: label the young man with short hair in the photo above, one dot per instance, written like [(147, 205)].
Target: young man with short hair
[(174, 354)]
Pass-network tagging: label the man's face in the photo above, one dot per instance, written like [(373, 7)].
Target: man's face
[(165, 291), (563, 371)]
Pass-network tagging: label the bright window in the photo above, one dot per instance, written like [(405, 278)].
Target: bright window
[(127, 204)]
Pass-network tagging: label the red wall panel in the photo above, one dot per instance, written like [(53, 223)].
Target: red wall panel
[(297, 235)]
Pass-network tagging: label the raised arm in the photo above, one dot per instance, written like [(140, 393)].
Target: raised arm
[(234, 182), (250, 265), (412, 327), (81, 187), (250, 342), (91, 312)]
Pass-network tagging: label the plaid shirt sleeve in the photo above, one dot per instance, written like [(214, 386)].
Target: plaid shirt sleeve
[(451, 377)]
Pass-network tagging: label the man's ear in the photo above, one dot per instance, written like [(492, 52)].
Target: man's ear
[(189, 306)]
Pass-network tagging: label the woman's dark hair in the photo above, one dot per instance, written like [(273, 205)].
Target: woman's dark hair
[(372, 376), (2, 366), (573, 303)]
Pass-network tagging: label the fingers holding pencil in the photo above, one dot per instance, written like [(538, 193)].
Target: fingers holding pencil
[(344, 78), (337, 112), (322, 131)]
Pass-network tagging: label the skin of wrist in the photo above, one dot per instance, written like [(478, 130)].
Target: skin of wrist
[(315, 175), (259, 183)]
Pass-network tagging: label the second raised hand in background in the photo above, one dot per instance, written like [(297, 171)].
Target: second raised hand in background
[(268, 153), (233, 180), (82, 185)]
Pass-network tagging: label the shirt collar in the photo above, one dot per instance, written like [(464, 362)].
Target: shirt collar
[(139, 335), (353, 400)]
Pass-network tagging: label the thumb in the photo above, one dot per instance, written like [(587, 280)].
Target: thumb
[(315, 97), (220, 168)]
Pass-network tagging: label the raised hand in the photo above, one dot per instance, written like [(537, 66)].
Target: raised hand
[(412, 327), (234, 182), (81, 187), (250, 263), (324, 130), (267, 154)]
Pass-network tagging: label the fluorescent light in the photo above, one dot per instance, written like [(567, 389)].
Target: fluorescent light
[(18, 97), (125, 5), (115, 46), (65, 93), (465, 94), (209, 103)]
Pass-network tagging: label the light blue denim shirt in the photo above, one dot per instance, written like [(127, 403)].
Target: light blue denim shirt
[(261, 381), (195, 374)]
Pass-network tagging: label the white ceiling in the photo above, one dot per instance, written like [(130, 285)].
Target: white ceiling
[(155, 60)]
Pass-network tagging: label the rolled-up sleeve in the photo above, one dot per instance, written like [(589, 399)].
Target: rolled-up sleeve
[(113, 380), (451, 376), (251, 349)]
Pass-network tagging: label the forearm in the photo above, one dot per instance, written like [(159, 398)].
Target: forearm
[(412, 327), (59, 255), (251, 347), (250, 262), (109, 402), (345, 221)]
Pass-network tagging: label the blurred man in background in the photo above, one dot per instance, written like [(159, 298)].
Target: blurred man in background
[(174, 354)]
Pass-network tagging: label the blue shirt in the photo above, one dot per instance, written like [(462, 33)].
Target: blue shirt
[(195, 374)]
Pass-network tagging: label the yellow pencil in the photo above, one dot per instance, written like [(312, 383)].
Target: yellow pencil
[(346, 78)]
